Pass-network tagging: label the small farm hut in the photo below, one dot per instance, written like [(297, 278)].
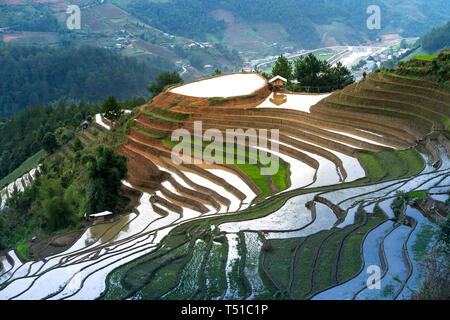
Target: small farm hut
[(85, 125), (102, 216), (277, 82)]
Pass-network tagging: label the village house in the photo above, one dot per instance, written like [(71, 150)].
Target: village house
[(277, 83)]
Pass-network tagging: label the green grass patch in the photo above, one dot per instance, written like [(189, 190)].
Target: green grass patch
[(373, 169), (152, 133), (22, 249), (217, 101), (420, 194), (278, 260), (350, 260), (391, 164), (304, 264), (253, 171), (426, 57)]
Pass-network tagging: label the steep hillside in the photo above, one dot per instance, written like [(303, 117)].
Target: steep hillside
[(31, 76)]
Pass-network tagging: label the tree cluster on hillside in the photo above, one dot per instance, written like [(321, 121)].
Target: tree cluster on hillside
[(46, 128), (312, 74), (164, 80), (32, 76), (190, 18), (437, 39), (105, 171), (23, 135), (28, 17), (63, 191), (111, 109), (68, 185), (438, 70), (283, 68)]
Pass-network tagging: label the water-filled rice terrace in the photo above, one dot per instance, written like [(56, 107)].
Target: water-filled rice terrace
[(225, 231)]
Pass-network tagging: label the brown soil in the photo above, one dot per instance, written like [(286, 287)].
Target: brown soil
[(44, 247)]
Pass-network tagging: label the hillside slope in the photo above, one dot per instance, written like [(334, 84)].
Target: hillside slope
[(32, 76), (245, 23)]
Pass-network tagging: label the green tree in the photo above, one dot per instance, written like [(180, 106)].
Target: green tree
[(165, 79), (105, 172), (307, 70), (283, 68), (77, 145), (49, 142), (339, 76), (320, 75), (111, 109), (58, 213), (437, 39)]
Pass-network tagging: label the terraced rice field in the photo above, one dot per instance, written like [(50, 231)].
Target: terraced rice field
[(225, 231), (18, 185)]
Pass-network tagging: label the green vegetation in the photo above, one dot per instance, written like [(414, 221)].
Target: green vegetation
[(283, 68), (68, 74), (22, 249), (29, 164), (22, 136), (435, 286), (105, 173), (214, 271), (28, 17), (111, 109), (151, 275), (64, 189), (425, 57), (437, 71), (253, 171), (391, 164), (312, 74), (168, 114), (319, 257), (350, 260), (49, 142), (217, 101), (163, 81), (419, 194), (299, 21), (437, 39)]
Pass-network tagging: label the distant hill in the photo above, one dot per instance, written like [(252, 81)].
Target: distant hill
[(307, 23), (437, 39), (37, 76), (106, 25)]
